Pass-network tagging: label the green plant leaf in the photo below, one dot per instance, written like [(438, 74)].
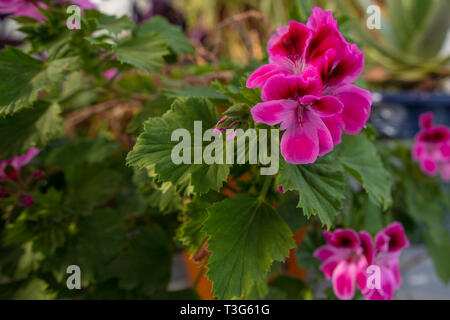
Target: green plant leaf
[(191, 233), (149, 272), (154, 145), (174, 36), (145, 51), (245, 237), (24, 77), (115, 25), (29, 127), (440, 253), (359, 157), (320, 186)]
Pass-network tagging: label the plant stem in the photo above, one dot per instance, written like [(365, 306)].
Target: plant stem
[(266, 186)]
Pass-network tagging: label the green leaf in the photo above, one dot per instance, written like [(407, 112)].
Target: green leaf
[(186, 92), (144, 51), (29, 127), (191, 233), (174, 36), (115, 25), (320, 186), (246, 237), (31, 289), (99, 240), (440, 253), (24, 77), (359, 157), (146, 262), (163, 195), (154, 145), (81, 150)]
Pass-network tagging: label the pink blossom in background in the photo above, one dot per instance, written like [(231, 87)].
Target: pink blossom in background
[(230, 134), (347, 255), (388, 246), (85, 4), (316, 50), (345, 258), (10, 169), (111, 73), (22, 8), (432, 148), (29, 8), (27, 200)]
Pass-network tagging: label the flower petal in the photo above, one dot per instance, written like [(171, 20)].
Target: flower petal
[(426, 120), (343, 279), (325, 106), (258, 78), (367, 245), (291, 87), (274, 112), (292, 44), (357, 105), (334, 125)]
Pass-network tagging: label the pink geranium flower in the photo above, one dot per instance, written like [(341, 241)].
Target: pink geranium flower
[(297, 103), (316, 48), (27, 200), (345, 258), (347, 255), (22, 8), (29, 8), (432, 148), (10, 169), (388, 243)]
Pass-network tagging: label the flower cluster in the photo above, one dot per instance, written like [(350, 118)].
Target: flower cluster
[(10, 175), (432, 148), (30, 8), (307, 87), (347, 256)]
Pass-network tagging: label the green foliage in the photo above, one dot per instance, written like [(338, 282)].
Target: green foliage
[(255, 237), (320, 186), (174, 36), (144, 51), (27, 77), (154, 146), (29, 127), (360, 159)]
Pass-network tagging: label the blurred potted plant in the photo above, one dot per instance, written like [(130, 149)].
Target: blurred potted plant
[(406, 54)]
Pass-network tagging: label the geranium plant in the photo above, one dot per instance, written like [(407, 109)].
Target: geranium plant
[(90, 121)]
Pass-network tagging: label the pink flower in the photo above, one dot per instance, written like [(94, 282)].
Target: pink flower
[(27, 200), (315, 48), (22, 8), (10, 169), (345, 259), (388, 244), (297, 103), (111, 73), (85, 4), (29, 8), (347, 255), (432, 148), (230, 128)]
